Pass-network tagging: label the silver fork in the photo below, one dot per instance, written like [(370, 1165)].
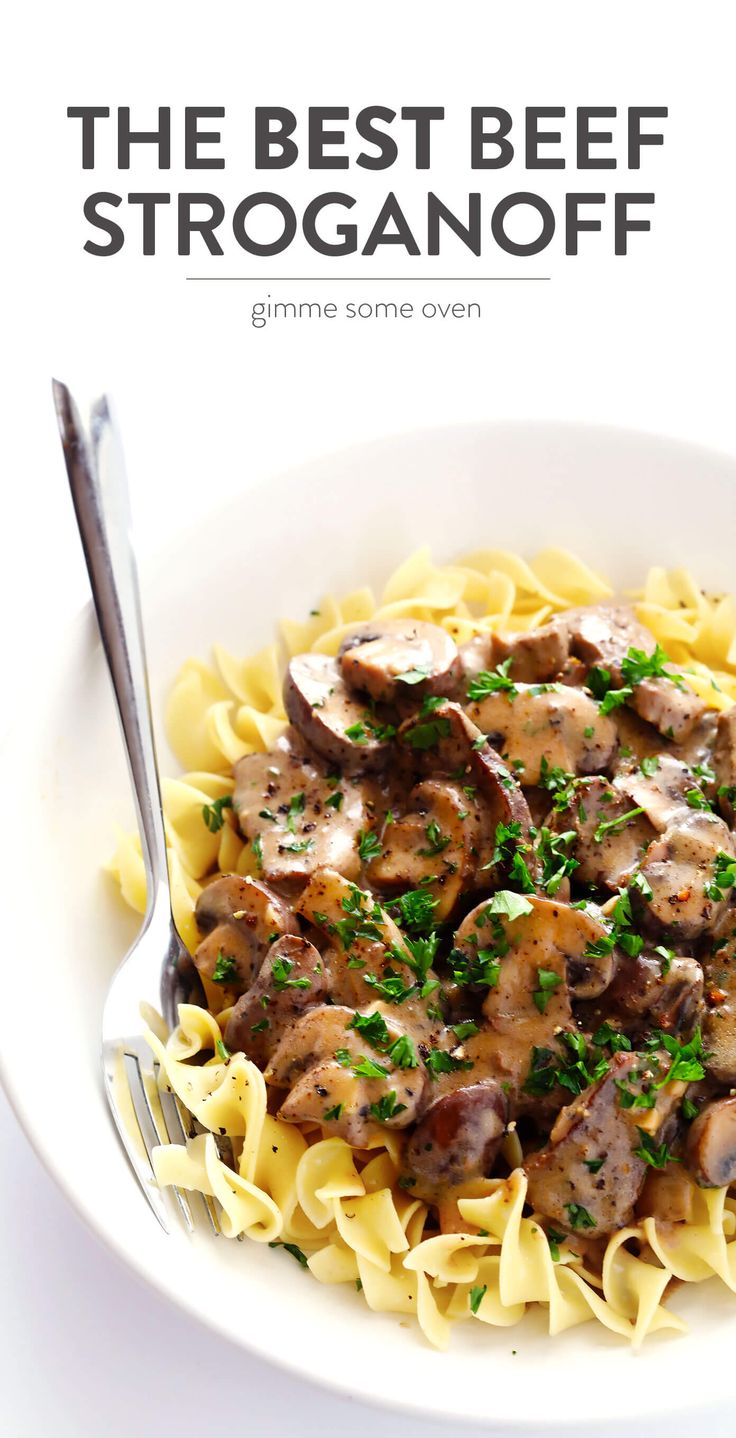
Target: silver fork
[(144, 1113)]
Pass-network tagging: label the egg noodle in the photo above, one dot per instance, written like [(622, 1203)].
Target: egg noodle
[(342, 1210)]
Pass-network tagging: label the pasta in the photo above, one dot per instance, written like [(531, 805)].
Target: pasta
[(340, 1208)]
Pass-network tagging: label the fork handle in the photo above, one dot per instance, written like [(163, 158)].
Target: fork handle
[(96, 470)]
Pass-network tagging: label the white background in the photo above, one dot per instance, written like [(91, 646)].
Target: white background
[(209, 405)]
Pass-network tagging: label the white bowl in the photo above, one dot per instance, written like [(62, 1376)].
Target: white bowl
[(623, 501)]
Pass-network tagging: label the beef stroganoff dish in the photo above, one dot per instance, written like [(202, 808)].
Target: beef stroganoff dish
[(457, 875)]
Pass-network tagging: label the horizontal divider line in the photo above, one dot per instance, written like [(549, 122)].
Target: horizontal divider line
[(370, 279)]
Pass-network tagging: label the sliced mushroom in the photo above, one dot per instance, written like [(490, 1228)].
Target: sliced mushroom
[(456, 1140), (337, 725), (317, 1060), (526, 969), (652, 991), (680, 867), (392, 659), (719, 1022), (436, 842), (354, 1107), (291, 979), (588, 1178), (662, 791), (366, 952), (533, 725), (547, 931), (313, 1037), (449, 742), (241, 919), (603, 635), (608, 843), (724, 759), (296, 817), (710, 1152), (536, 655)]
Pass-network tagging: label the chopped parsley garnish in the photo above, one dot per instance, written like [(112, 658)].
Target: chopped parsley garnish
[(438, 1061), (575, 1068), (415, 675), (556, 781), (373, 1028), (391, 987), (280, 970), (465, 1030), (600, 685), (495, 682), (437, 842), (554, 1240), (477, 1294), (357, 732), (258, 850), (223, 1052), (637, 665), (609, 825), (379, 731), (629, 1098), (344, 1058), (292, 1249), (509, 850), (510, 905), (364, 919), (649, 765), (332, 1113), (225, 969), (606, 1036), (369, 845), (697, 800), (335, 800), (267, 814), (296, 807), (580, 1219), (403, 1053), (594, 1165), (557, 864), (213, 813), (298, 846), (431, 702), (415, 910), (686, 1057), (657, 1155), (261, 1026), (688, 1109), (666, 955), (368, 1068), (547, 981), (481, 966), (387, 1107), (724, 877), (428, 734), (621, 932)]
